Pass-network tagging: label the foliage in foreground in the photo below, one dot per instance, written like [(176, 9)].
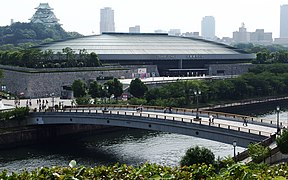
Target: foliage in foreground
[(153, 171)]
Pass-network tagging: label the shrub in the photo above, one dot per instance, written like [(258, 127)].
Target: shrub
[(282, 142), (258, 152), (197, 155)]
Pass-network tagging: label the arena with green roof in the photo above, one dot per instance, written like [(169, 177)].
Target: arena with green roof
[(170, 53)]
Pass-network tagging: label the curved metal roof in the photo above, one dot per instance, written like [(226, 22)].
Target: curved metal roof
[(142, 43)]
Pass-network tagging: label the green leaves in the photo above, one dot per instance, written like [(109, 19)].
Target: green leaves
[(153, 172)]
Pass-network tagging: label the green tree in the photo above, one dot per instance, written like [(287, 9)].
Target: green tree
[(84, 100), (197, 155), (258, 152), (282, 142), (95, 89), (115, 87), (93, 61), (79, 88), (137, 88)]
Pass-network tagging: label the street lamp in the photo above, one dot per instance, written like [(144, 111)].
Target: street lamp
[(234, 145), (52, 95), (278, 110), (197, 93)]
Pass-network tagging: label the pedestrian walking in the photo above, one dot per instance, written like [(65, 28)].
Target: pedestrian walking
[(245, 121)]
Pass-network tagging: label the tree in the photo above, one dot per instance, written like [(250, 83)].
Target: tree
[(84, 100), (115, 87), (95, 89), (79, 88), (93, 61), (282, 142), (197, 155), (258, 152), (137, 88)]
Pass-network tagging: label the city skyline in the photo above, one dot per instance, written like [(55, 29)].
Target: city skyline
[(84, 17)]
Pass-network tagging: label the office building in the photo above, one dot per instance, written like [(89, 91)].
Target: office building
[(135, 29), (208, 27), (107, 20), (261, 37), (284, 21), (174, 32), (241, 36)]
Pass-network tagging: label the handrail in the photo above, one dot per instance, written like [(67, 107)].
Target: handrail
[(184, 111), (168, 117)]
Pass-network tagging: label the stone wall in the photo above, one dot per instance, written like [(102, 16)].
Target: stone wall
[(34, 83), (229, 69)]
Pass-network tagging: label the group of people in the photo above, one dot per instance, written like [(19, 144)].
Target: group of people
[(139, 108), (169, 110), (42, 104)]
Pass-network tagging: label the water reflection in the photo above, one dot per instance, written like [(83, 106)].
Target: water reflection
[(129, 146)]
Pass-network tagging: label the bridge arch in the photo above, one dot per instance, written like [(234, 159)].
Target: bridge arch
[(165, 123)]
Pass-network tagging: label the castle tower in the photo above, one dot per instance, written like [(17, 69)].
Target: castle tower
[(44, 15)]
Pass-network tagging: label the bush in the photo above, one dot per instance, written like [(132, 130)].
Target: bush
[(258, 152), (197, 155), (282, 142), (137, 101)]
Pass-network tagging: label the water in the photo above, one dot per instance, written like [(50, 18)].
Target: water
[(129, 146)]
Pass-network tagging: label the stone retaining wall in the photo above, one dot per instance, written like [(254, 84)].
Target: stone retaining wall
[(34, 83)]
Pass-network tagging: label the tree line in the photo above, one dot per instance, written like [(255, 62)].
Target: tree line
[(260, 81), (35, 58), (83, 92)]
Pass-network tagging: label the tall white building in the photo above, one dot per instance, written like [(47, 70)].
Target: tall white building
[(208, 27), (107, 20), (284, 21)]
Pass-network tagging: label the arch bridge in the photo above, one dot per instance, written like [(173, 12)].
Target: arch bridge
[(226, 128)]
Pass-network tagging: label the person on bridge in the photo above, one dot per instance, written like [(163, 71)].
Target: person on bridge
[(245, 121)]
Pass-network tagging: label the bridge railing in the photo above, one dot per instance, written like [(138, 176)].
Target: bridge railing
[(204, 113), (168, 117)]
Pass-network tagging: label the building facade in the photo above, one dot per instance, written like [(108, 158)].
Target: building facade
[(261, 37), (107, 23), (284, 21), (241, 36), (44, 15), (135, 29), (208, 27)]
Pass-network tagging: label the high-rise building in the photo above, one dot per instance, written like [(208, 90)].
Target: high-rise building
[(261, 37), (241, 36), (135, 29), (208, 27), (44, 15), (284, 21), (107, 20)]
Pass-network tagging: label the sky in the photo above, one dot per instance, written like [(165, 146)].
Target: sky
[(84, 16)]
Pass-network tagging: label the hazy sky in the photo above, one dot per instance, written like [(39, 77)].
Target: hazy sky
[(84, 16)]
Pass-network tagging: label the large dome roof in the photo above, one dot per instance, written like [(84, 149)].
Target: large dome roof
[(142, 43)]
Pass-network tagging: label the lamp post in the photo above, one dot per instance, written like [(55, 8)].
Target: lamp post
[(278, 111), (234, 146), (197, 93), (52, 95)]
